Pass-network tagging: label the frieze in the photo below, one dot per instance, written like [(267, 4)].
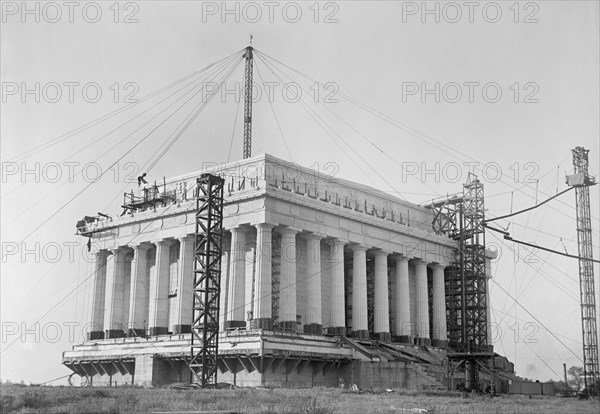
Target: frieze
[(349, 199)]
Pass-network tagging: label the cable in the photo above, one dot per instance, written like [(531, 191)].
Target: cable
[(98, 140), (88, 277), (417, 134), (530, 208), (314, 114), (386, 154), (103, 172), (40, 199), (148, 161), (538, 271), (55, 379), (111, 114), (538, 321), (550, 250), (199, 108), (275, 116), (48, 272), (235, 119)]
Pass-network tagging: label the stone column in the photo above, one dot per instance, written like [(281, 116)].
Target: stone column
[(237, 280), (225, 282), (249, 255), (381, 301), (185, 285), (313, 293), (117, 299), (422, 302), (338, 304), (360, 320), (440, 335), (402, 304), (287, 281), (159, 290), (99, 295), (263, 289), (488, 278), (140, 284)]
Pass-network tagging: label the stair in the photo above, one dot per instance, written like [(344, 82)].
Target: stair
[(430, 377)]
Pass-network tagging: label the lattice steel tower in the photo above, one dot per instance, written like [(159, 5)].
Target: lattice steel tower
[(582, 181), (248, 102), (207, 279), (462, 218)]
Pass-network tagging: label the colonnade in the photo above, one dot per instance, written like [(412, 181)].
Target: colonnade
[(139, 289), (134, 295)]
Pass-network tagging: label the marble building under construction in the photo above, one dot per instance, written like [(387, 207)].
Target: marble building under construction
[(324, 282)]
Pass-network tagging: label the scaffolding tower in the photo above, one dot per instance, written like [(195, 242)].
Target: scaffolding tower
[(581, 180), (207, 280), (461, 217)]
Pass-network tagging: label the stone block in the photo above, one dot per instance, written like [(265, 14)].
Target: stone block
[(159, 330), (94, 335), (361, 334), (182, 329), (313, 329), (114, 333)]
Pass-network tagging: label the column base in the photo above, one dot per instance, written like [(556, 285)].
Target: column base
[(158, 330), (440, 343), (228, 325), (423, 341), (402, 339), (132, 333), (336, 330), (288, 326), (114, 333), (361, 334), (182, 329), (313, 329), (383, 336), (93, 335), (262, 323)]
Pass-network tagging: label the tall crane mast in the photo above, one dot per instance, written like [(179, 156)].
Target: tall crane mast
[(249, 55), (581, 180), (207, 256)]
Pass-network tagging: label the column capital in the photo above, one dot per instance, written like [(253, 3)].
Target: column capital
[(103, 253), (338, 240), (419, 261), (187, 237), (239, 228), (288, 230), (264, 226), (313, 236), (115, 249), (358, 248), (163, 242), (437, 266), (140, 245), (400, 258), (381, 253)]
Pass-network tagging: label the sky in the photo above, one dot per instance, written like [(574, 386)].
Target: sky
[(406, 97)]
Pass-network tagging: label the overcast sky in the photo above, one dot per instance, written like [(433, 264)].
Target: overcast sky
[(505, 89)]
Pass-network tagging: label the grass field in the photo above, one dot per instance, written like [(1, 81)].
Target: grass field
[(24, 399)]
